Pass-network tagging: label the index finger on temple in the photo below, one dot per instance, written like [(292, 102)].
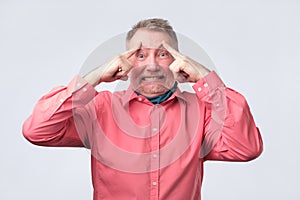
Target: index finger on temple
[(131, 51), (174, 53)]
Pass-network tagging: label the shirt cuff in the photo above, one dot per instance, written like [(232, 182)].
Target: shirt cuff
[(208, 84), (77, 93), (80, 90)]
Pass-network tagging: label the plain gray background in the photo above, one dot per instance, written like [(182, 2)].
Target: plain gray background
[(254, 44)]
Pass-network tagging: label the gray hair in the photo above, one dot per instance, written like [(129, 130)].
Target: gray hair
[(155, 24)]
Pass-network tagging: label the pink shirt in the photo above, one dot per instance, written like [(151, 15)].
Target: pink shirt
[(145, 151)]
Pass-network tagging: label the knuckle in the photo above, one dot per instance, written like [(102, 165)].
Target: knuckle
[(118, 56), (184, 58)]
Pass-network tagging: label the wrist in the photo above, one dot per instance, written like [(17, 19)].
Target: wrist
[(92, 79), (202, 72)]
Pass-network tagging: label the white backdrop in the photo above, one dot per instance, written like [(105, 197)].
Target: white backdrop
[(254, 43)]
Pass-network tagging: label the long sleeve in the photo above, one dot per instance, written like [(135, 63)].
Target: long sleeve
[(52, 120), (230, 131)]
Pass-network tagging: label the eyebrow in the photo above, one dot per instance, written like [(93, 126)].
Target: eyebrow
[(160, 46)]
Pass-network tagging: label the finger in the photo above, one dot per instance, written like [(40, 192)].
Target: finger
[(122, 67), (130, 52), (124, 78), (120, 64), (172, 51), (181, 78), (125, 65), (176, 66)]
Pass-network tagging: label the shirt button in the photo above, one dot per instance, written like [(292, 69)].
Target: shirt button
[(154, 183), (199, 89), (205, 84), (154, 155), (140, 99), (78, 84), (61, 100), (154, 129), (84, 89)]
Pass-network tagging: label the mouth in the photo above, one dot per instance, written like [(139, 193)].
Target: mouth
[(153, 78)]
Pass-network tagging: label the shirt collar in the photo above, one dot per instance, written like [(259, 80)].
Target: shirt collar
[(130, 95)]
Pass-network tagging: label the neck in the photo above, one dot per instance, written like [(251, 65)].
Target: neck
[(161, 98)]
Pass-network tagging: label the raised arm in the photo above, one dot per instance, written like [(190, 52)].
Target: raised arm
[(52, 121), (230, 132)]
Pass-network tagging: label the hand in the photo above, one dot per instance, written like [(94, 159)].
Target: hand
[(184, 68), (115, 69)]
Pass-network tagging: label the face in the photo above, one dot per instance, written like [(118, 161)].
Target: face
[(150, 75)]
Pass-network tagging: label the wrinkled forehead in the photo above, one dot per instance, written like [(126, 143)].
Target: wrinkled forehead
[(149, 39), (160, 48)]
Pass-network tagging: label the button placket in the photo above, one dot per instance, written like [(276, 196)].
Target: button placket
[(155, 140)]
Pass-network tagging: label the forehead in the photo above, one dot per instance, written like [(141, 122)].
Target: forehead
[(148, 39)]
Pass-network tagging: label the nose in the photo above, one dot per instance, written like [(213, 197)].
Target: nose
[(152, 64), (152, 67)]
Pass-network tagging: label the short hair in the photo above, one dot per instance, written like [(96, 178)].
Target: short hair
[(154, 24)]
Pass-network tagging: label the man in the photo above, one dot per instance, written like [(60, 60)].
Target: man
[(150, 141)]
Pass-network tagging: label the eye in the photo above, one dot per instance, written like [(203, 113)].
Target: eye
[(140, 55), (163, 54)]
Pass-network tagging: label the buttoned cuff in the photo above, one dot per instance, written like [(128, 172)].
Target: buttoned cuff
[(80, 90), (208, 84)]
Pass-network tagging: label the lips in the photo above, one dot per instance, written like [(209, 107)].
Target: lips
[(153, 78)]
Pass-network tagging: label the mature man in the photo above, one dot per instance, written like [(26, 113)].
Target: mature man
[(150, 141)]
